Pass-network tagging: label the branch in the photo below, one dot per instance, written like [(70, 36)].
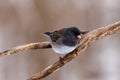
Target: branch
[(30, 46), (87, 39)]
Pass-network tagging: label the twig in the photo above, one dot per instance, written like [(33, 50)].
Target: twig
[(87, 39), (30, 46)]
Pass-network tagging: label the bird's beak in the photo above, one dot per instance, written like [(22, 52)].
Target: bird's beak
[(82, 33), (79, 36)]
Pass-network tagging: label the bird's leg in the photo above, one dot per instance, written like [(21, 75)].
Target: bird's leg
[(61, 59)]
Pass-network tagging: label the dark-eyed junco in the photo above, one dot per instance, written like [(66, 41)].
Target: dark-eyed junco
[(65, 40)]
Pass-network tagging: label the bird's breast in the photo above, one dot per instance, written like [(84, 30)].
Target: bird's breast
[(62, 49)]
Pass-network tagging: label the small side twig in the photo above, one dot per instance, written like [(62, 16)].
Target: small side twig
[(88, 39), (30, 46)]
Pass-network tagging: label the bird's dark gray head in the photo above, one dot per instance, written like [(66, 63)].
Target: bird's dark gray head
[(73, 30), (70, 36)]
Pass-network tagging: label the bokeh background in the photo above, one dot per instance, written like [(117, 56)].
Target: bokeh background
[(23, 21)]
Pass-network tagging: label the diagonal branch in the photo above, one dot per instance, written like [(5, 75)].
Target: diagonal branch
[(87, 39)]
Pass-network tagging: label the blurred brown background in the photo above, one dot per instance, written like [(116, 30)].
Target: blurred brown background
[(23, 21)]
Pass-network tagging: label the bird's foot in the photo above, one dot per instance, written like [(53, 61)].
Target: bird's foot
[(61, 59)]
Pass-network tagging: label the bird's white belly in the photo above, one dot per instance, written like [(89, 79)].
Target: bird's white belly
[(62, 49)]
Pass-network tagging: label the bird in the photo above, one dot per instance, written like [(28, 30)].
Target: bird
[(65, 40)]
